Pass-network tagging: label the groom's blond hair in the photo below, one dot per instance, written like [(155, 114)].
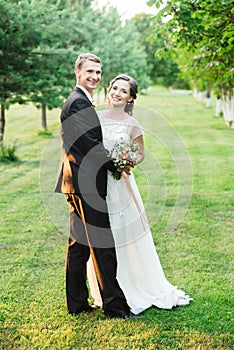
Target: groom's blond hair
[(84, 57)]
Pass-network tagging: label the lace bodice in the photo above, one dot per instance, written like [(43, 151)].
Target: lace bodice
[(114, 130)]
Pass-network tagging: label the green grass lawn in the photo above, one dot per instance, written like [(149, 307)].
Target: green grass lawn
[(187, 185)]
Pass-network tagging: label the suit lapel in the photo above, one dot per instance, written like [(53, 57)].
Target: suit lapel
[(80, 91)]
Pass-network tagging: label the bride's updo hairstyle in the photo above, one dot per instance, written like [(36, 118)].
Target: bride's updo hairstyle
[(133, 90)]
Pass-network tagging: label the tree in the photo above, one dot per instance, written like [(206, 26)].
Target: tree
[(163, 70), (52, 73), (39, 42), (38, 47), (17, 39), (205, 26), (118, 46)]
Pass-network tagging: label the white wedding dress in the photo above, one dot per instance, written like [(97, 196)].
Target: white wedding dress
[(139, 272)]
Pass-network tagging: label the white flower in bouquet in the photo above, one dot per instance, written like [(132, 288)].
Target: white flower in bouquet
[(125, 155)]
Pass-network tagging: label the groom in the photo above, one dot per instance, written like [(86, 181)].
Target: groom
[(83, 179)]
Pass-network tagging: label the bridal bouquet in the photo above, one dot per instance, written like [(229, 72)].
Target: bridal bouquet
[(124, 155)]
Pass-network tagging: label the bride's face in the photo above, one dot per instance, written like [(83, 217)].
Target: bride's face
[(119, 93)]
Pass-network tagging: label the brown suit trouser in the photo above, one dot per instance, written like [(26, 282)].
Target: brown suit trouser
[(90, 233)]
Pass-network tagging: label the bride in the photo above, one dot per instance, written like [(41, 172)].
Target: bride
[(139, 271)]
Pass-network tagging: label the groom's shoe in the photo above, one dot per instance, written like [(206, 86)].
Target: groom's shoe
[(87, 308), (121, 314), (131, 316)]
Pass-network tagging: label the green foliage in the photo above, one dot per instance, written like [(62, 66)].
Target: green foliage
[(197, 256), (206, 28), (20, 33), (118, 46), (162, 70), (40, 41), (53, 70), (51, 40)]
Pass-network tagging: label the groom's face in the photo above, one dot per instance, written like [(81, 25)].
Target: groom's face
[(89, 75)]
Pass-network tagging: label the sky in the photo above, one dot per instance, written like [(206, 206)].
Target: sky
[(128, 8)]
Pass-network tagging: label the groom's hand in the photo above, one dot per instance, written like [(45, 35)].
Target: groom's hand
[(126, 170)]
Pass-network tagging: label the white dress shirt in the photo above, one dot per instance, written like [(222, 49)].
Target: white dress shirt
[(86, 93)]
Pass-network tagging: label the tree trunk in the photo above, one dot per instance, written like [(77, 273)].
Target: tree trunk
[(105, 93), (208, 95), (2, 122), (218, 109), (195, 93), (43, 117), (228, 105)]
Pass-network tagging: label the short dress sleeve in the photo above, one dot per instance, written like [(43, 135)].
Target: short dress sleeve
[(136, 129)]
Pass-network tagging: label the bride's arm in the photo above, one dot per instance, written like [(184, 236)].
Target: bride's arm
[(140, 142), (141, 150)]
